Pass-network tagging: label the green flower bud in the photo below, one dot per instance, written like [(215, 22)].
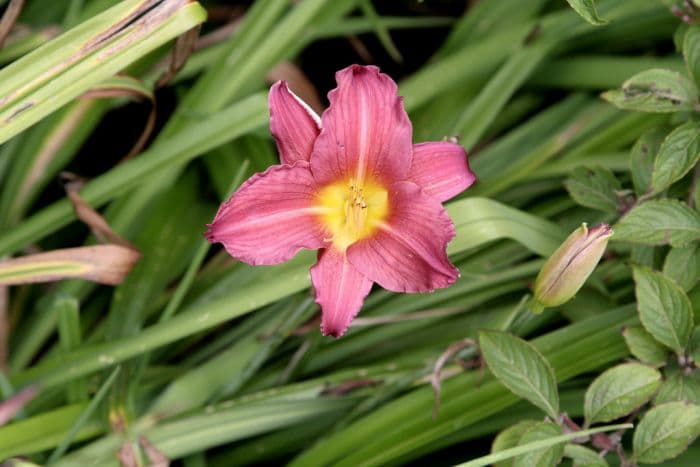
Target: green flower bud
[(567, 269)]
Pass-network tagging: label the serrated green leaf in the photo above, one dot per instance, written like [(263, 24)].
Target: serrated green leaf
[(509, 438), (679, 36), (594, 188), (642, 158), (664, 308), (586, 10), (677, 156), (659, 223), (547, 457), (583, 456), (644, 347), (643, 255), (620, 390), (520, 367), (665, 432), (683, 266), (695, 346), (691, 51), (680, 387), (655, 90)]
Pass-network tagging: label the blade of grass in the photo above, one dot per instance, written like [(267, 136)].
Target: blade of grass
[(84, 416)]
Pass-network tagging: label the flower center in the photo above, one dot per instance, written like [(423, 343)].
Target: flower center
[(352, 211)]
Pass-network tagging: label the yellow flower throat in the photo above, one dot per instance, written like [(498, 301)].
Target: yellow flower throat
[(352, 211)]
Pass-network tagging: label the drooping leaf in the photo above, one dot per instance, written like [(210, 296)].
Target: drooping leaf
[(678, 154), (644, 347), (666, 431), (642, 158), (522, 369), (664, 308), (594, 188), (683, 266), (659, 223), (61, 69), (583, 456), (509, 438), (104, 264), (586, 9), (619, 390), (655, 90), (547, 457)]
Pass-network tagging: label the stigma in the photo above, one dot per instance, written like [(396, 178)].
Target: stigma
[(352, 211)]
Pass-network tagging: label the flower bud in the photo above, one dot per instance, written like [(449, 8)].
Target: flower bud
[(567, 269)]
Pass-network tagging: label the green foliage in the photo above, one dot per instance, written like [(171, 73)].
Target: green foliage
[(655, 90), (683, 266), (680, 387), (644, 347), (522, 369), (620, 390), (664, 309), (691, 52), (665, 431), (541, 457), (595, 188), (658, 223), (677, 155), (509, 438), (642, 157), (584, 457), (587, 10), (211, 362)]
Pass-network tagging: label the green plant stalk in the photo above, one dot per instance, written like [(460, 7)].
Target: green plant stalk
[(406, 423), (529, 447), (84, 416)]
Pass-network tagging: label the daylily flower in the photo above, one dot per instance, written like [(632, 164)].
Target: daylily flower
[(352, 185)]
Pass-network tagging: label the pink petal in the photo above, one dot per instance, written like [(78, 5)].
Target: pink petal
[(365, 131), (270, 217), (407, 253), (441, 169), (340, 291), (293, 123)]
